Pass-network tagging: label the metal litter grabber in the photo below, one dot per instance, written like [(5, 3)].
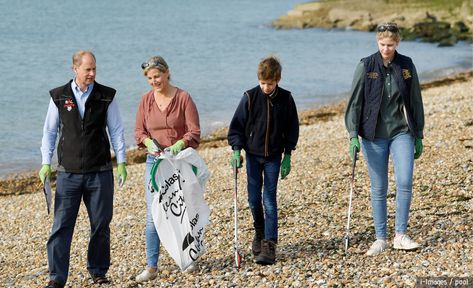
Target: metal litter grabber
[(352, 187), (235, 215)]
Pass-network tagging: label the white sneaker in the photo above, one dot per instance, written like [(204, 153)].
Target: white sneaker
[(403, 242), (377, 247), (146, 276), (191, 268)]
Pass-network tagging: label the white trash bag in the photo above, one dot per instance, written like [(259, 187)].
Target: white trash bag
[(179, 209)]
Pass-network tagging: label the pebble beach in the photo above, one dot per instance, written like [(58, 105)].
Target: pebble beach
[(312, 203)]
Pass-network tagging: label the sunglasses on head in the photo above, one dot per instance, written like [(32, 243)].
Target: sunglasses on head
[(153, 63), (391, 27)]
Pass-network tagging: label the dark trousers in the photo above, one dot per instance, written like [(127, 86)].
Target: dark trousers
[(97, 191), (263, 173)]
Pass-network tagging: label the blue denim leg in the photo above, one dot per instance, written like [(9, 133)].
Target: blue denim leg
[(376, 154), (257, 167), (402, 153), (254, 170), (152, 238), (66, 206), (98, 199)]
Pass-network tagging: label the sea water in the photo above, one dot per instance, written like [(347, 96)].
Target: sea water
[(212, 48)]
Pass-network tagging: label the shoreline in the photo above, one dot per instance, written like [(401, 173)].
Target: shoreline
[(28, 181)]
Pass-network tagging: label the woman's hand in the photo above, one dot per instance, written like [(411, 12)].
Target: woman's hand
[(419, 147), (152, 148), (354, 144), (177, 147)]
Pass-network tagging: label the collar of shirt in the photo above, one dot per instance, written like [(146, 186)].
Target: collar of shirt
[(81, 97)]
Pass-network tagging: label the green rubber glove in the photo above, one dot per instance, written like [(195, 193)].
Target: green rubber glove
[(354, 143), (285, 166), (236, 156), (152, 148), (419, 147), (177, 147), (44, 172), (121, 171)]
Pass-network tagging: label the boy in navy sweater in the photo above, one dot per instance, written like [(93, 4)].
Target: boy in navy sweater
[(266, 126)]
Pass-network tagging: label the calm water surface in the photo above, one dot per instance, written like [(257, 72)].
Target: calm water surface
[(211, 46)]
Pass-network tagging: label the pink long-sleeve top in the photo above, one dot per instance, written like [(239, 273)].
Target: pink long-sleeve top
[(180, 120)]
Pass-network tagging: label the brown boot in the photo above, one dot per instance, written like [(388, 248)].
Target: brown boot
[(268, 253), (256, 245)]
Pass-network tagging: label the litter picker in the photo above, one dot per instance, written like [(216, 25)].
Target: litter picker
[(352, 187), (235, 215), (160, 149)]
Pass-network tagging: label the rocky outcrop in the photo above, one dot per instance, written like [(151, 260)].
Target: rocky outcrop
[(445, 24)]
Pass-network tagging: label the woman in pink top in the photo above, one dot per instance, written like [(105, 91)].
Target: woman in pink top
[(168, 115)]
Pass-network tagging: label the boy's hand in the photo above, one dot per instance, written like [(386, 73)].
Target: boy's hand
[(236, 156), (285, 166)]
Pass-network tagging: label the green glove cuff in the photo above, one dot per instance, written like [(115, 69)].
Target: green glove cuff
[(181, 144), (177, 147), (46, 166)]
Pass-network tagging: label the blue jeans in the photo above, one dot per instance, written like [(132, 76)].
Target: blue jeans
[(258, 167), (152, 238), (376, 153), (97, 191)]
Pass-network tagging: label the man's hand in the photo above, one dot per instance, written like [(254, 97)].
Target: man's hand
[(44, 172), (121, 171)]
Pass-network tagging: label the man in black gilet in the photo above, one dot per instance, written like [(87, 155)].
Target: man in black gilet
[(82, 111)]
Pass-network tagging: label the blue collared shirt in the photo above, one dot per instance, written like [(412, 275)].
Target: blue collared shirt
[(114, 125)]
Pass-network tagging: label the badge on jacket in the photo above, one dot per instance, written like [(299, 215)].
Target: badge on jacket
[(406, 74), (372, 75), (69, 104)]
